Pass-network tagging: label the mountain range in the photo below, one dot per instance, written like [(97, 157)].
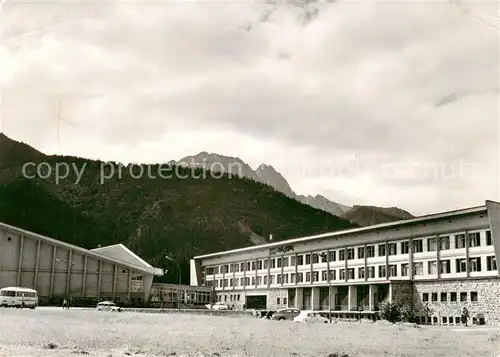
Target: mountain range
[(181, 216), (267, 174)]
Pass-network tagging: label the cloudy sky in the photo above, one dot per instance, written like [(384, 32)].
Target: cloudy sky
[(391, 103)]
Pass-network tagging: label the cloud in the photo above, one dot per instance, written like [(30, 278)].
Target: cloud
[(146, 81)]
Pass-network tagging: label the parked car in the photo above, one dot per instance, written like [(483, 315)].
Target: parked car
[(108, 306), (285, 314), (218, 306), (310, 317)]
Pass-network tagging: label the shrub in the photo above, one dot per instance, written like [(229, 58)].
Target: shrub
[(390, 312), (398, 312), (409, 314)]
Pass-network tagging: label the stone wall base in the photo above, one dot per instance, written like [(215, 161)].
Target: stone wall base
[(448, 311)]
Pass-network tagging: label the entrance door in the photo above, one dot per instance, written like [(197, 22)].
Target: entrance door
[(291, 297), (324, 294), (306, 298), (258, 302), (342, 303), (363, 296)]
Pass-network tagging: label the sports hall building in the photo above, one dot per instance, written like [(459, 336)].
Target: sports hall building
[(438, 263), (57, 269)]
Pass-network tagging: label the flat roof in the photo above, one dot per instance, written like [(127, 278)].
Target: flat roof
[(143, 269), (346, 232)]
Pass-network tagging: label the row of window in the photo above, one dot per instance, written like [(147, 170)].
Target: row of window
[(381, 250), (443, 297), (237, 297), (281, 301), (171, 295), (445, 320), (233, 297), (380, 271), (426, 297)]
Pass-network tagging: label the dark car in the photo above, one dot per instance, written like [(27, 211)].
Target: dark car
[(285, 314)]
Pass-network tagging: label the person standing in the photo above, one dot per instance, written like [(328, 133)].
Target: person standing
[(65, 304), (465, 316)]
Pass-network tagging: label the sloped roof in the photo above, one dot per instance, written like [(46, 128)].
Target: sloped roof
[(119, 251)]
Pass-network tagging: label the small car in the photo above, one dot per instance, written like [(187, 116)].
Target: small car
[(285, 314), (108, 306), (217, 306), (310, 317)]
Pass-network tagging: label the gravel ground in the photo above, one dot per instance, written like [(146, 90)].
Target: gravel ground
[(104, 334)]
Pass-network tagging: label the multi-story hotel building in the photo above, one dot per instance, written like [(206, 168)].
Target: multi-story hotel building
[(438, 263)]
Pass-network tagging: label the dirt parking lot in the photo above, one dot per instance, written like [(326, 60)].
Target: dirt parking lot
[(106, 334)]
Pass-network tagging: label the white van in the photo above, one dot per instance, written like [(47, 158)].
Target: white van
[(18, 297)]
